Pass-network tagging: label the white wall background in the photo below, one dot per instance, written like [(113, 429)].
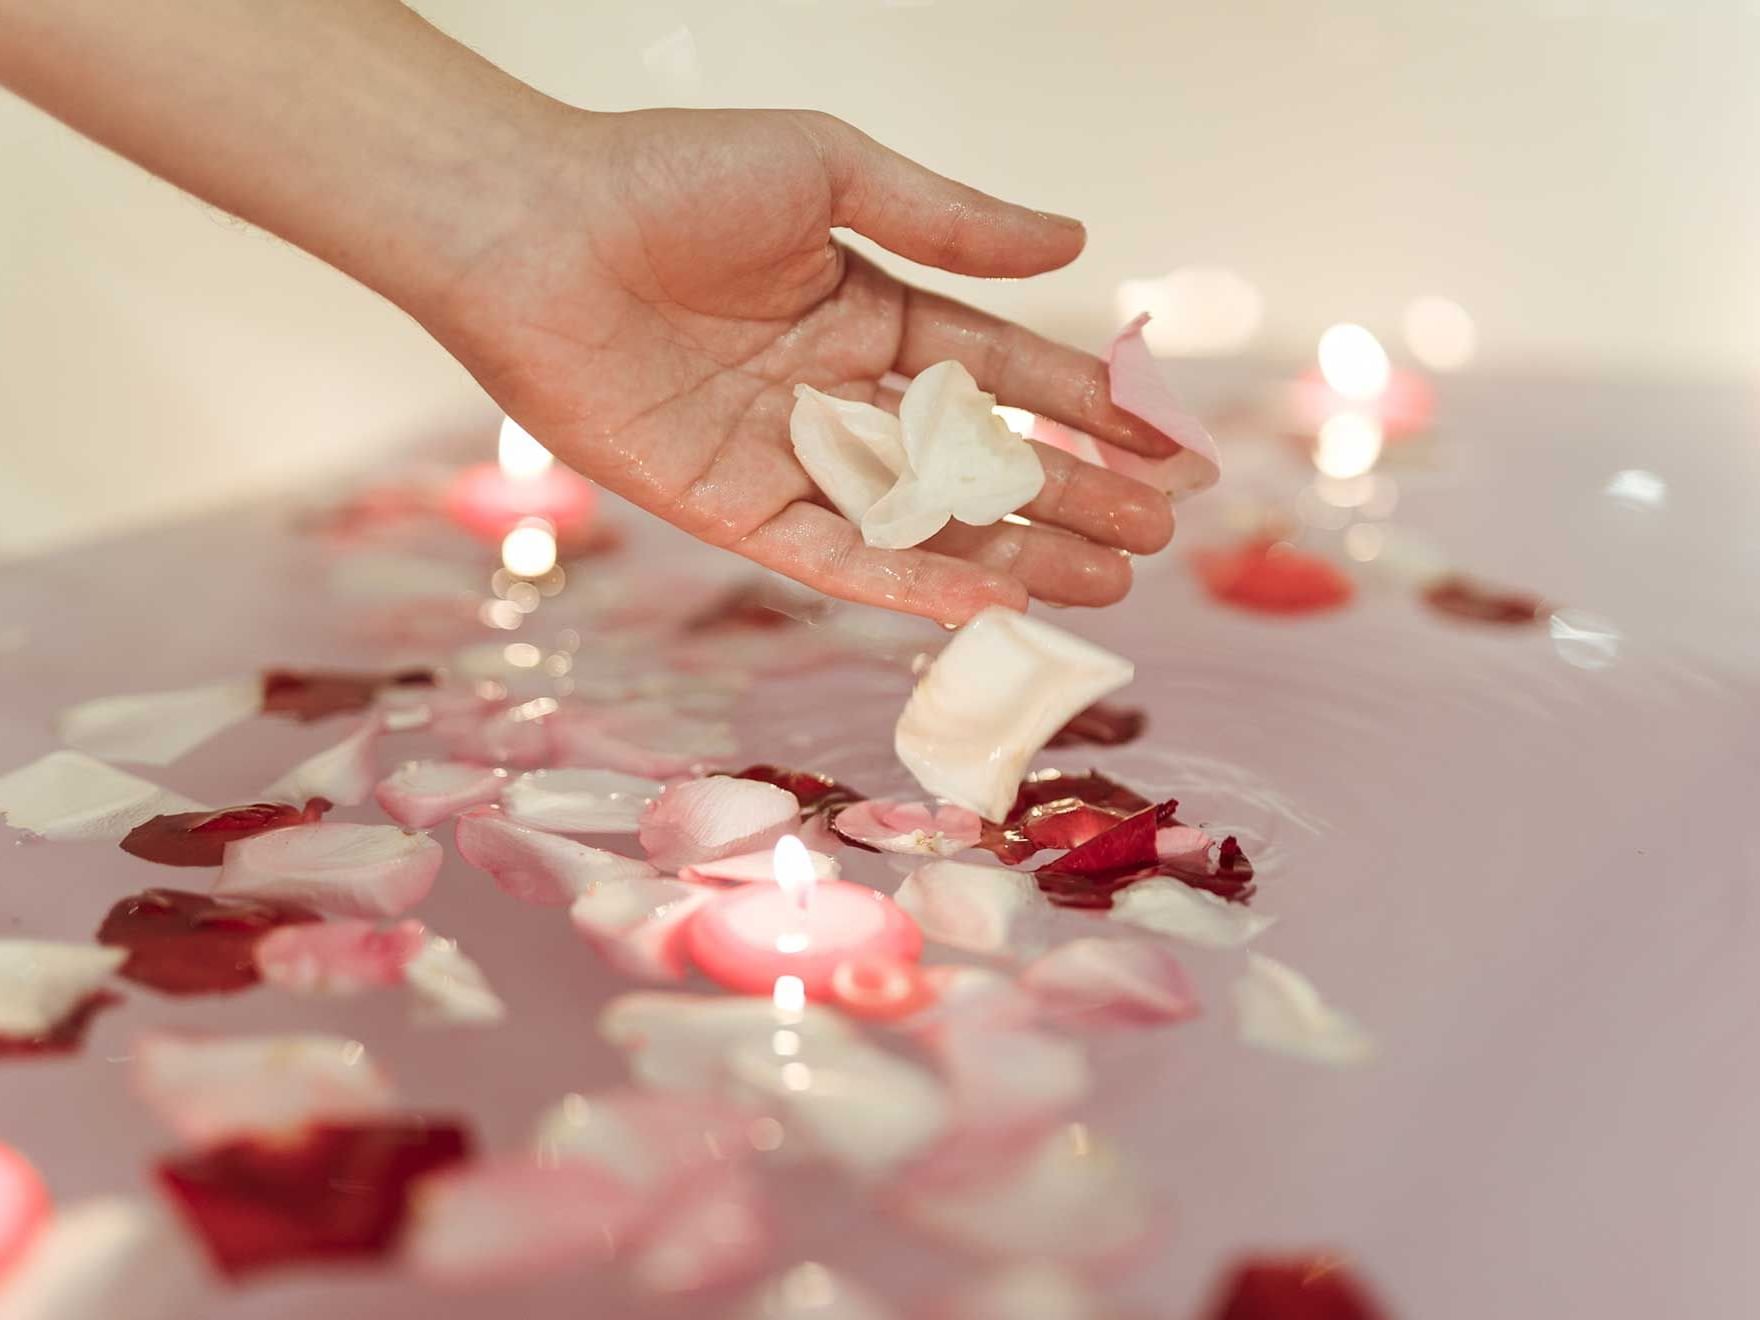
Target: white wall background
[(1580, 175)]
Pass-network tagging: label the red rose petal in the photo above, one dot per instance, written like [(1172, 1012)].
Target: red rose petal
[(191, 944), (314, 694), (1272, 577), (65, 1036), (198, 838), (1465, 598), (1089, 874), (819, 795), (1295, 1288), (1101, 725), (1058, 810), (340, 1191)]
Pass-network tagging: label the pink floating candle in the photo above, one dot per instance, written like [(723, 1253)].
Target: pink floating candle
[(801, 926), (24, 1207), (1355, 378), (490, 500)]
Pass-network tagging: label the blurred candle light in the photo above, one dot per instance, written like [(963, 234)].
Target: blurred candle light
[(1353, 362), (529, 550), (1440, 333), (521, 457), (1348, 444), (1355, 375), (491, 500)]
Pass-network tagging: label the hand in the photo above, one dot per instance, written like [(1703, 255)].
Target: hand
[(650, 320)]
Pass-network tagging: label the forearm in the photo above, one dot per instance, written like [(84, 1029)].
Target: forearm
[(351, 128)]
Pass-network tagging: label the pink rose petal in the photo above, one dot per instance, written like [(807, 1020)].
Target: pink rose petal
[(511, 1218), (338, 957), (107, 1259), (349, 870), (208, 1089), (640, 738), (515, 736), (974, 998), (1101, 982), (656, 1141), (755, 868), (449, 989), (979, 909), (421, 794), (157, 728), (1138, 387), (24, 1208), (536, 866), (701, 820), (1169, 907), (1279, 1009), (343, 774), (71, 798), (910, 827), (717, 1234), (638, 925), (1001, 1080), (577, 801)]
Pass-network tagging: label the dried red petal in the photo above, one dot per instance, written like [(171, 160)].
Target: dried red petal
[(819, 795), (1102, 725), (192, 944), (1272, 577), (199, 838), (1058, 810), (314, 694), (1088, 875), (1465, 598), (65, 1036), (1295, 1288), (337, 1192)]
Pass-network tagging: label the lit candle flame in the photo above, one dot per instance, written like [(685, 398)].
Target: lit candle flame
[(522, 458), (793, 870), (1354, 363)]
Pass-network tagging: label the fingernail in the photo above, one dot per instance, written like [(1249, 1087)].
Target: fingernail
[(1067, 221)]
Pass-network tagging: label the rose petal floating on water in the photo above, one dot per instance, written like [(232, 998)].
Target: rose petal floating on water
[(638, 925), (208, 1089), (818, 795), (909, 827), (338, 957), (1101, 725), (1279, 1009), (1000, 688), (981, 909), (349, 870), (1004, 1079), (810, 1291), (43, 982), (1272, 577), (640, 738), (1037, 1289), (1152, 842), (1464, 598), (1169, 907), (512, 1218), (683, 1042), (702, 820), (70, 798), (516, 736), (1055, 810), (536, 866), (421, 794), (344, 774), (106, 1259), (191, 944), (157, 728), (1137, 386), (653, 1140), (1069, 1197), (314, 694), (718, 1235), (579, 801), (861, 1108), (199, 838), (449, 988), (335, 1192), (975, 998), (1294, 1288), (755, 868), (1102, 982), (853, 451)]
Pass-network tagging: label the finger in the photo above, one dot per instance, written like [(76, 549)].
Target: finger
[(822, 550), (1022, 369), (1053, 566), (1099, 504), (930, 218), (1089, 500)]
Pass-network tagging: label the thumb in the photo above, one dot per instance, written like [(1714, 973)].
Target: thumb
[(930, 218)]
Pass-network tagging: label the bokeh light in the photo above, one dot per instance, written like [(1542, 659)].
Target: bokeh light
[(1348, 444), (1353, 362), (521, 456), (529, 550), (1440, 333)]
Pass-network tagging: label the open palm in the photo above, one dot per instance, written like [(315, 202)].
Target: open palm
[(654, 340)]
